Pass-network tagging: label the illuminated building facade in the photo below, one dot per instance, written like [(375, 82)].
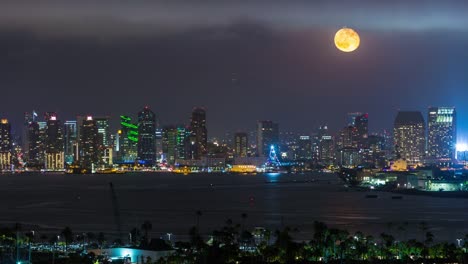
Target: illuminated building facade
[(42, 139), (29, 117), (128, 140), (304, 148), (442, 133), (241, 144), (347, 138), (89, 143), (103, 130), (175, 141), (34, 145), (327, 150), (199, 133), (267, 135), (70, 142), (104, 141), (362, 130), (351, 118), (147, 137), (409, 136), (54, 154), (5, 145)]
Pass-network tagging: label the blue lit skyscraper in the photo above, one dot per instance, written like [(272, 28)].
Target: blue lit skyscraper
[(442, 133), (147, 137)]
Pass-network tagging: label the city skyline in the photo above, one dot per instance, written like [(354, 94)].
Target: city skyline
[(248, 58)]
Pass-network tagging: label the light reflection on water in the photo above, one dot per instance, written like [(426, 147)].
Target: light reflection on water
[(169, 201)]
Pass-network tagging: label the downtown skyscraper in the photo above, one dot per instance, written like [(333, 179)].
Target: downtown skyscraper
[(147, 137), (241, 144), (89, 143), (442, 133), (54, 154), (409, 136), (199, 133), (5, 144), (267, 136)]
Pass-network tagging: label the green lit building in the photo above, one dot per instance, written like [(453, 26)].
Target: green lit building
[(128, 140)]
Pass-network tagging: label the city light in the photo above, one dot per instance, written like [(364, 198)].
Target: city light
[(462, 147)]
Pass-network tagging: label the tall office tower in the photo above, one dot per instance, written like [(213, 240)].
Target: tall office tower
[(42, 139), (70, 142), (54, 154), (316, 138), (267, 136), (409, 136), (34, 146), (351, 118), (199, 132), (158, 143), (102, 123), (5, 145), (104, 140), (304, 150), (442, 133), (28, 118), (347, 138), (241, 145), (89, 143), (361, 124), (146, 137), (175, 140), (327, 149), (128, 140)]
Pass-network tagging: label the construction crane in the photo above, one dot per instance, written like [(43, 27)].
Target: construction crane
[(116, 209)]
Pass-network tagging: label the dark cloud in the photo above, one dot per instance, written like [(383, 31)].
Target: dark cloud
[(242, 62)]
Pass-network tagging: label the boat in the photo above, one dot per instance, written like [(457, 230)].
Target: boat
[(109, 171)]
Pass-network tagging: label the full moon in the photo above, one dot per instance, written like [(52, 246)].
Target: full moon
[(347, 40)]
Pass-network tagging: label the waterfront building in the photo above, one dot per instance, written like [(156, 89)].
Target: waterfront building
[(326, 149), (304, 148), (70, 141), (54, 147), (147, 137), (5, 145), (241, 144), (102, 124), (29, 117), (409, 136), (267, 136), (199, 133), (348, 157), (34, 146), (158, 143), (89, 143), (442, 133), (176, 143)]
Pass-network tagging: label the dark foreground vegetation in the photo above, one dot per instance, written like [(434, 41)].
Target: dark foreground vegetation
[(233, 243)]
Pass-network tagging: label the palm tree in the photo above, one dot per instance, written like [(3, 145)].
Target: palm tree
[(243, 216), (146, 227), (198, 213), (68, 236)]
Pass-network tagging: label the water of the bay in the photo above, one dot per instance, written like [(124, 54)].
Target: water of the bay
[(170, 201)]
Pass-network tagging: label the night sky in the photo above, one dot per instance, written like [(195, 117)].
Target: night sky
[(243, 60)]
